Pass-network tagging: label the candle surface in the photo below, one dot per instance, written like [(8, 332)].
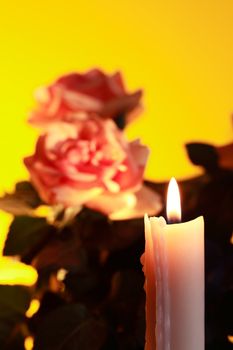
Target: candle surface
[(175, 319)]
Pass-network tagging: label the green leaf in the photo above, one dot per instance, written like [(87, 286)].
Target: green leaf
[(14, 301), (59, 253), (15, 298), (70, 327), (22, 201), (204, 155), (24, 234)]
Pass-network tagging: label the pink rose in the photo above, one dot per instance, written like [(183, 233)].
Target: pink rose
[(73, 96), (87, 161)]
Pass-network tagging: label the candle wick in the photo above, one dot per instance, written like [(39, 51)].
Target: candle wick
[(173, 220)]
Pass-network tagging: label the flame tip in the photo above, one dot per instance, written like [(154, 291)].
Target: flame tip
[(173, 201)]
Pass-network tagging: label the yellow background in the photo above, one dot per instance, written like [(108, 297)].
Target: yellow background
[(179, 51)]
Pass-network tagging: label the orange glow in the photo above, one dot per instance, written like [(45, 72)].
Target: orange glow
[(173, 201), (43, 211), (33, 308), (13, 272), (230, 338), (61, 274), (231, 239), (28, 343)]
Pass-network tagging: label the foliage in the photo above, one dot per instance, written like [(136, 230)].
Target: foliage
[(100, 302)]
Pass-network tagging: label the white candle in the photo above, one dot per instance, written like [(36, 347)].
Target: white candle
[(177, 263)]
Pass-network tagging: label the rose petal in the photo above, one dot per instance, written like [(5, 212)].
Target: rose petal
[(72, 160), (69, 196), (127, 205), (121, 105), (79, 101), (93, 91), (139, 152)]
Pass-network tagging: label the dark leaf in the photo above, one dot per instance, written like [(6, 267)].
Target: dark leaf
[(14, 301), (16, 342), (203, 155), (123, 282), (98, 232), (225, 154), (24, 234), (49, 303), (27, 191), (126, 309), (16, 298), (90, 335), (61, 253), (22, 201), (82, 286), (70, 327)]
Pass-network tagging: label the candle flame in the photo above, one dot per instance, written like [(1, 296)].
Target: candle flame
[(173, 202)]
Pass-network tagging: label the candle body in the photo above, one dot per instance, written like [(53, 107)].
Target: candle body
[(179, 271), (185, 254), (150, 288)]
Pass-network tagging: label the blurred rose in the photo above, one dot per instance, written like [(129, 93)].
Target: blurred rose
[(128, 205), (77, 163), (74, 96)]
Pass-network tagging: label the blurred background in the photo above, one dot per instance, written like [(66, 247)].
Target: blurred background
[(180, 52)]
